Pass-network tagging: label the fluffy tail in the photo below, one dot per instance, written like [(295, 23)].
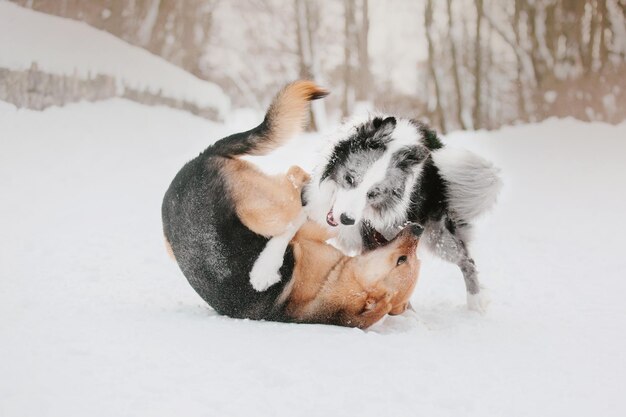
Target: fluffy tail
[(473, 182), (286, 117)]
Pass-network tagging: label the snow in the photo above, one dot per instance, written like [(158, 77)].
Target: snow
[(66, 47), (96, 320)]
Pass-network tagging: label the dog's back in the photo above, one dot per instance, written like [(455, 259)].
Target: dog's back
[(213, 248)]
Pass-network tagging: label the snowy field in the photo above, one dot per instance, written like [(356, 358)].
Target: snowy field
[(96, 320)]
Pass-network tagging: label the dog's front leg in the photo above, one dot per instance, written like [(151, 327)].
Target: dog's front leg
[(265, 271)]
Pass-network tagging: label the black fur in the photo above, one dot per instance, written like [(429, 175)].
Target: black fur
[(429, 206), (431, 140), (240, 143), (372, 239), (206, 236), (374, 135), (408, 157), (428, 200)]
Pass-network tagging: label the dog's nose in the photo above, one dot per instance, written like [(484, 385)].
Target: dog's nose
[(416, 229), (346, 220), (412, 229)]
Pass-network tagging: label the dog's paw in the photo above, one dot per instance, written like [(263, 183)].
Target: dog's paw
[(263, 280), (297, 176), (478, 302)]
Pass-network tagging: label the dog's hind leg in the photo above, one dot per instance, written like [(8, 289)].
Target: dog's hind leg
[(265, 204), (444, 238)]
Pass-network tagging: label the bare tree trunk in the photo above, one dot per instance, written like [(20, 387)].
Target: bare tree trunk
[(159, 37), (521, 100), (363, 86), (534, 55), (428, 20), (604, 50), (144, 33), (455, 69), (490, 110), (586, 54), (348, 92), (305, 29), (538, 66), (478, 66), (552, 29)]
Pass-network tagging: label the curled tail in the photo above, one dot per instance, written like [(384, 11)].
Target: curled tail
[(286, 117), (473, 183)]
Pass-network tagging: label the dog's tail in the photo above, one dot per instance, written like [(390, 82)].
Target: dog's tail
[(473, 183), (286, 117)]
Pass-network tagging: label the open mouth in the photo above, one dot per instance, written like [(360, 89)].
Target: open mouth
[(330, 219), (379, 238)]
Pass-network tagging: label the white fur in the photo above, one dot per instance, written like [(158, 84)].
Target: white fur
[(352, 202), (320, 198), (404, 134), (326, 196), (398, 215), (478, 302), (265, 271), (473, 182)]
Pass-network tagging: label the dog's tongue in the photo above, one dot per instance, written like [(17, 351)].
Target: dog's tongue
[(330, 219)]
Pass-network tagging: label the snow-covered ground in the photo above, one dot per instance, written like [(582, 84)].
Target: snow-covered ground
[(65, 47), (96, 320)]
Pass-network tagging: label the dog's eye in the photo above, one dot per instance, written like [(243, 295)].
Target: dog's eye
[(349, 179), (401, 260), (396, 192)]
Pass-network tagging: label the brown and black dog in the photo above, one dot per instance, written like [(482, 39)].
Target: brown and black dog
[(222, 216)]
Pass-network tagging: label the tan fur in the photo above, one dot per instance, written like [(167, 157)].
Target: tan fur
[(329, 287), (403, 291), (169, 250), (326, 286), (313, 231), (267, 204), (264, 204), (288, 114)]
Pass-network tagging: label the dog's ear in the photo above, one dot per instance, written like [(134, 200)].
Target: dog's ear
[(389, 122), (383, 128), (408, 157)]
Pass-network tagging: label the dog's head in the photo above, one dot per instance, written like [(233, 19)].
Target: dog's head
[(371, 171), (393, 267), (357, 291)]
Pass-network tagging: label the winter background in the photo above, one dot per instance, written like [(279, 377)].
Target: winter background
[(102, 101)]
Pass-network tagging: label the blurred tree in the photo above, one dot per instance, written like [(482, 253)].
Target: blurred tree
[(488, 62), (307, 23), (176, 30), (455, 68), (356, 64), (428, 26), (478, 70)]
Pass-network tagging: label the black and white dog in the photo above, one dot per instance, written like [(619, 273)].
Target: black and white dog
[(382, 171)]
